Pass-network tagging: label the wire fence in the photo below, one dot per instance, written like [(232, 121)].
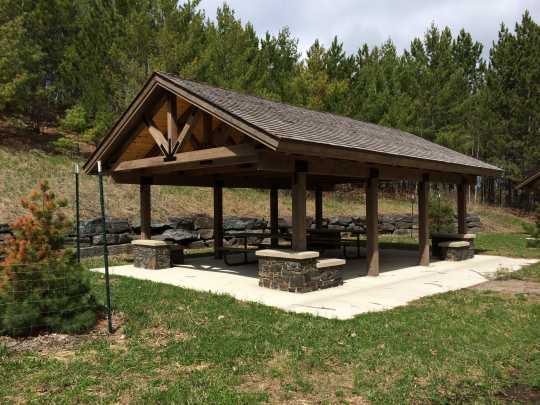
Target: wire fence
[(45, 297)]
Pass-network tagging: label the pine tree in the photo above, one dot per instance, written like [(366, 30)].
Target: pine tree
[(277, 66), (311, 84), (229, 59), (20, 60), (41, 286), (513, 98)]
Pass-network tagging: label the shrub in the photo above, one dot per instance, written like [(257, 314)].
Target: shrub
[(75, 119), (102, 122), (65, 144), (534, 229), (441, 216), (42, 287)]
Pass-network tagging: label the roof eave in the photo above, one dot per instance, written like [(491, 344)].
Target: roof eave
[(378, 158), (529, 182), (90, 166)]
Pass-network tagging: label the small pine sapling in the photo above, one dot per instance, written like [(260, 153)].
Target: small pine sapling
[(42, 287), (441, 216)]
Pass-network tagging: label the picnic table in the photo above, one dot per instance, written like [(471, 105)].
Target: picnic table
[(317, 239), (245, 249), (354, 242), (323, 238)]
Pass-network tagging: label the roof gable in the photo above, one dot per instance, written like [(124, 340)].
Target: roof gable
[(130, 139)]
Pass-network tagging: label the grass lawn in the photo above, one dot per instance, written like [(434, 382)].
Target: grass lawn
[(505, 244), (181, 346)]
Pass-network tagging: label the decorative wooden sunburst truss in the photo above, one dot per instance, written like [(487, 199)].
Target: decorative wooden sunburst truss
[(175, 126)]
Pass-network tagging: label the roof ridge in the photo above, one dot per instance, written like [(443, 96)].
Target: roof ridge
[(283, 102)]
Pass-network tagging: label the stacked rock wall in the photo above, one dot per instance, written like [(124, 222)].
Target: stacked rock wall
[(197, 231)]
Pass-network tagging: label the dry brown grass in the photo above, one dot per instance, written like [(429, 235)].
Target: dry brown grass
[(22, 169), (287, 383)]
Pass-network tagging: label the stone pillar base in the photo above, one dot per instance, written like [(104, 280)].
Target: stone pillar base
[(298, 272), (152, 254), (455, 251)]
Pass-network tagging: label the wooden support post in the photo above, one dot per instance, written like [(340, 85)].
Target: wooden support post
[(299, 211), (172, 129), (372, 221), (274, 217), (218, 220), (423, 221), (145, 208), (318, 208), (462, 207)]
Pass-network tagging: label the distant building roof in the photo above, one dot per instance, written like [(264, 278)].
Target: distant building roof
[(530, 182)]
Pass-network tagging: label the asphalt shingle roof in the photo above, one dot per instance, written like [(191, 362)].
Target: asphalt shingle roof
[(287, 122)]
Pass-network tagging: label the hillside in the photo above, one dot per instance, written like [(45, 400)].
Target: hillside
[(24, 162)]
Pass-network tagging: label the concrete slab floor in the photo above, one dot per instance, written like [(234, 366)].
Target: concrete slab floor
[(401, 281)]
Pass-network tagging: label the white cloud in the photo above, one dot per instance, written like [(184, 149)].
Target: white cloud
[(358, 21)]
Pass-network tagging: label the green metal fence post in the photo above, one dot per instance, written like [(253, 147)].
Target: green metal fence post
[(105, 249), (77, 214)]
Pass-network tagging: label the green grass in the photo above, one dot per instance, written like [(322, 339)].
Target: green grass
[(183, 346), (500, 244), (505, 244)]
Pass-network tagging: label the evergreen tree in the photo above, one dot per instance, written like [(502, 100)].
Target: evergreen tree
[(277, 66), (311, 84), (19, 63), (513, 98), (41, 285), (229, 59)]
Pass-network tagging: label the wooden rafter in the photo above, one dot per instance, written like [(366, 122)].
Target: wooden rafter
[(158, 136), (206, 130), (185, 115), (170, 144), (185, 134)]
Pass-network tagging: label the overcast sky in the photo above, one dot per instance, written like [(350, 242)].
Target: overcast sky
[(359, 21)]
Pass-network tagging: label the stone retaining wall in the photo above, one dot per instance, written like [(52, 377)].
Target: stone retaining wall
[(196, 231), (114, 250)]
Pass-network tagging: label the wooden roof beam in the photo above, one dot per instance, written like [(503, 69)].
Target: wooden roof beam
[(348, 169), (172, 126), (237, 153)]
